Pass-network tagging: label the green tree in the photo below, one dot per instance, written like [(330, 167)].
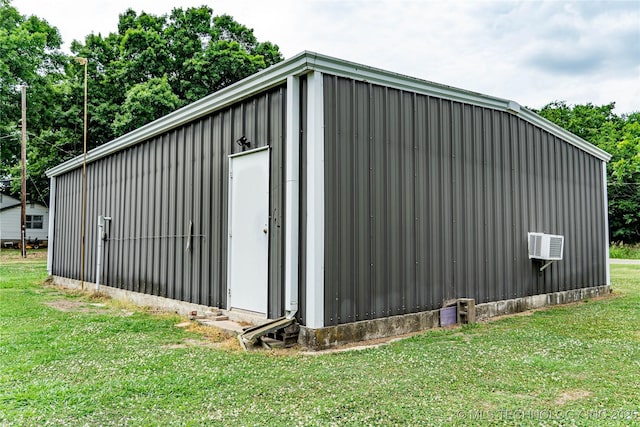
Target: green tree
[(624, 183), (171, 60), (620, 137), (148, 67), (29, 55), (143, 103)]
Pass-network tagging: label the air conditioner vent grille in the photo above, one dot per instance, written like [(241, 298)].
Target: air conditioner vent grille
[(545, 246), (555, 247)]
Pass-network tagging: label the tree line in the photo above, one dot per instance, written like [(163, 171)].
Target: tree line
[(152, 65), (619, 135)]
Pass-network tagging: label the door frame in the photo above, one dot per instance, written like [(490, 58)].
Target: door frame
[(231, 157)]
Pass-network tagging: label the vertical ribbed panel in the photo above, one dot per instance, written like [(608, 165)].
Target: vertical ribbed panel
[(429, 199), (302, 236), (168, 201), (273, 111)]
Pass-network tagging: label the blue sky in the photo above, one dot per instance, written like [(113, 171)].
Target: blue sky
[(532, 52)]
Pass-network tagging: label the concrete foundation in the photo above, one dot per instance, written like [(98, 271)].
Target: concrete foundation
[(518, 305), (165, 304), (331, 336), (322, 338)]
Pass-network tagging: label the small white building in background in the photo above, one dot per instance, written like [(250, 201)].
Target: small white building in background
[(37, 221)]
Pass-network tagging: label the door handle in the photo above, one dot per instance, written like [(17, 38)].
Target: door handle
[(265, 230)]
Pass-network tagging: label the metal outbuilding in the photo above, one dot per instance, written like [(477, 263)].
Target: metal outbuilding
[(343, 195)]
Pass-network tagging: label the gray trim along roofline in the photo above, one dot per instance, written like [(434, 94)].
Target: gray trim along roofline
[(6, 208), (310, 61)]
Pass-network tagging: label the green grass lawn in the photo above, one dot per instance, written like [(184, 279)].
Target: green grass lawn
[(102, 363)]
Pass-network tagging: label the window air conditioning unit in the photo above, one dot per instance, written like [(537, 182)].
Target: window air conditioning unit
[(545, 246)]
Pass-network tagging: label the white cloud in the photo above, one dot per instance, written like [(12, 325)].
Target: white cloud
[(531, 52)]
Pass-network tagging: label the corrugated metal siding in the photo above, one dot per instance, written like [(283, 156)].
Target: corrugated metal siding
[(68, 199), (302, 236), (429, 199), (154, 190)]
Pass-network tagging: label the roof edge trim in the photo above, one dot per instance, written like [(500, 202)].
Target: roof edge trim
[(564, 134), (387, 78)]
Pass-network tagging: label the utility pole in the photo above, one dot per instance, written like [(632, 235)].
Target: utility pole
[(23, 190)]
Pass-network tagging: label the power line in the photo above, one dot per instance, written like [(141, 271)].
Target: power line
[(17, 135), (51, 144), (39, 193)]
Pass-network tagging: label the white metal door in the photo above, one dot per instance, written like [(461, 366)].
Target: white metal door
[(248, 231)]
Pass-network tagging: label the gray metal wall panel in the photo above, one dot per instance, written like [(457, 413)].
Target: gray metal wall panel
[(275, 211), (447, 192), (362, 147), (217, 258), (421, 193), (379, 237), (270, 115), (154, 190), (68, 201), (302, 237)]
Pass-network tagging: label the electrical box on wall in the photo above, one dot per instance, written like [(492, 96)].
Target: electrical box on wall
[(545, 246)]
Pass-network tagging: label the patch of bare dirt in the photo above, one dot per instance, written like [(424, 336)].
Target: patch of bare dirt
[(211, 333), (66, 305), (212, 337), (86, 307), (15, 255), (570, 396)]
